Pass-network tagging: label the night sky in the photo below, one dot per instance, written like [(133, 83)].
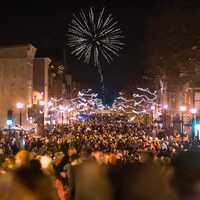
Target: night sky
[(44, 24)]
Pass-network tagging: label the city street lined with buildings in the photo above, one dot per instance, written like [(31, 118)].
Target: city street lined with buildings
[(100, 100), (50, 126)]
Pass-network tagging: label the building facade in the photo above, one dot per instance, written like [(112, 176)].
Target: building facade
[(16, 72), (30, 82), (41, 83), (56, 81), (183, 99)]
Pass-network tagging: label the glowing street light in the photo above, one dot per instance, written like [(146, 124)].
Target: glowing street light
[(20, 107), (9, 122), (41, 103), (153, 108), (183, 108), (193, 110), (165, 106), (61, 108)]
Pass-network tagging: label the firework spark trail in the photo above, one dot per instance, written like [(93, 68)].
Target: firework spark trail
[(93, 37)]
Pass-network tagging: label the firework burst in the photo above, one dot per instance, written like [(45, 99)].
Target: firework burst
[(93, 37)]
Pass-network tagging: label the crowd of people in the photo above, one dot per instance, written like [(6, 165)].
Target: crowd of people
[(101, 133), (107, 139)]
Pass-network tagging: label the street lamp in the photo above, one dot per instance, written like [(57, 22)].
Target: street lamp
[(194, 111), (165, 107), (67, 110), (20, 107), (153, 108), (41, 103), (62, 108), (182, 110)]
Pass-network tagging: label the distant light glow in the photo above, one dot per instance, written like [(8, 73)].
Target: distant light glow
[(193, 110), (183, 108), (30, 119), (50, 103), (165, 106), (9, 122), (61, 108), (41, 103), (20, 105)]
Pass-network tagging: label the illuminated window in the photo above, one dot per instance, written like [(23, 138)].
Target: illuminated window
[(197, 100), (197, 96)]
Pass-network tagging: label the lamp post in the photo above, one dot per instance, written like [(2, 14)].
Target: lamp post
[(194, 111), (61, 108), (41, 111), (153, 108), (165, 107), (68, 110), (62, 118), (20, 107), (145, 117), (182, 110)]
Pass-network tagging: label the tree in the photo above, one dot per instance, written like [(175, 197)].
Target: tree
[(173, 46)]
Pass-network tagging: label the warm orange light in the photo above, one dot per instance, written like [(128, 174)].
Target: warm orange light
[(183, 108), (20, 105)]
